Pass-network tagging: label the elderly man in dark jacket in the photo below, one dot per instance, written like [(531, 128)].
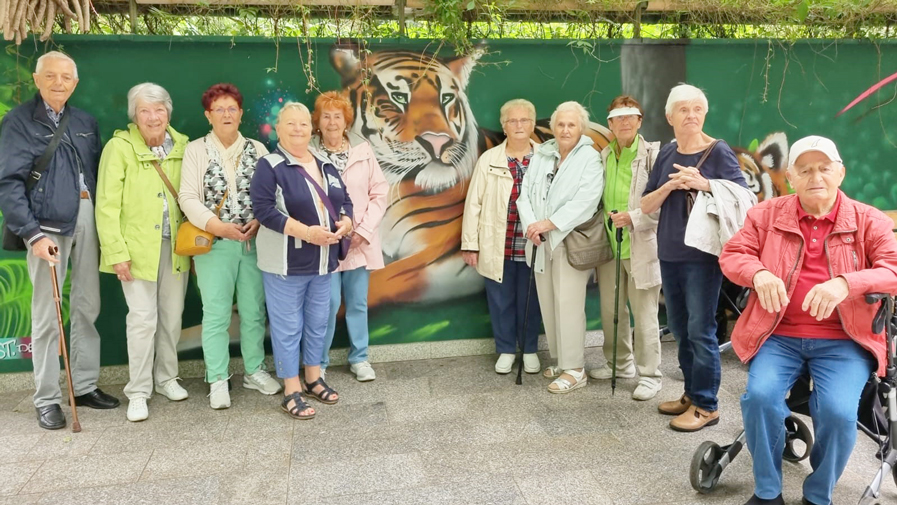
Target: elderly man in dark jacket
[(51, 209)]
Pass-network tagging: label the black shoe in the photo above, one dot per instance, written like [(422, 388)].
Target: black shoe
[(97, 399), (756, 500), (50, 417), (805, 501)]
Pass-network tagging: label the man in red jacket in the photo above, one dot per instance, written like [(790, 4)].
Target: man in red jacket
[(810, 257)]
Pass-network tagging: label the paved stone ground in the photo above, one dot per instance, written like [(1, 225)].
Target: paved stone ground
[(446, 431)]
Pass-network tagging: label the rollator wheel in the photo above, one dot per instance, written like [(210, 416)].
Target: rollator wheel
[(798, 440), (705, 471)]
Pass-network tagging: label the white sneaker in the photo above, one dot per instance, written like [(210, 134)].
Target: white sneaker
[(531, 363), (219, 395), (262, 382), (647, 388), (604, 373), (137, 410), (505, 363), (363, 371), (172, 390)]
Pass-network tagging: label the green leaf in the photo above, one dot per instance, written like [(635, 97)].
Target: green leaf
[(754, 145), (803, 10), (15, 299), (471, 5), (425, 332)]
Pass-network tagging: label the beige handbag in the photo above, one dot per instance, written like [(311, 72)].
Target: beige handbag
[(190, 240), (587, 245)]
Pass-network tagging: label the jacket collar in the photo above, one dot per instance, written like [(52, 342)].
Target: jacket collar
[(845, 220), (132, 136), (291, 160), (39, 112), (550, 148), (355, 155), (640, 155), (500, 158)]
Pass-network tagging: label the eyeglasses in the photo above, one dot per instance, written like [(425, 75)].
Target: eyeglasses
[(629, 118), (521, 122), (221, 110)]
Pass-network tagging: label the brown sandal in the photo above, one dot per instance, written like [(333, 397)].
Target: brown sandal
[(299, 405)]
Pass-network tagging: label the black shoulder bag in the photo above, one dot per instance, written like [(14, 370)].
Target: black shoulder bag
[(11, 241)]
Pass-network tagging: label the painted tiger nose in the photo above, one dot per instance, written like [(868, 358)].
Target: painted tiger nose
[(435, 142)]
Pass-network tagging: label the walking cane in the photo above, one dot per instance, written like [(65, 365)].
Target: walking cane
[(613, 368), (521, 336), (76, 426)]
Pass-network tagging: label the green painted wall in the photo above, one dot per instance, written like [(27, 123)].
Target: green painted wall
[(799, 94)]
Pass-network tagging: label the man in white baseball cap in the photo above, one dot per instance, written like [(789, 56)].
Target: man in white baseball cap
[(813, 143), (810, 257)]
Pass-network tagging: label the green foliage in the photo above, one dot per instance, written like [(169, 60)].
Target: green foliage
[(15, 298)]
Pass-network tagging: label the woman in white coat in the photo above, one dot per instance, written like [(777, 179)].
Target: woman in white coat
[(561, 190)]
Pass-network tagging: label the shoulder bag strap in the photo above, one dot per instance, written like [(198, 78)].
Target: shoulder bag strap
[(321, 193), (220, 205), (706, 154), (44, 161), (165, 180)]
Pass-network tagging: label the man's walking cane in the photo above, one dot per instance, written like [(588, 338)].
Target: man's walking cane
[(76, 426), (613, 368)]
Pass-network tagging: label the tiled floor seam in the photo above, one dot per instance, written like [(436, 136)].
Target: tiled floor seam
[(145, 465), (25, 484)]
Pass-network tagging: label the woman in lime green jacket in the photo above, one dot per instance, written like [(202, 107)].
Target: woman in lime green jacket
[(137, 222)]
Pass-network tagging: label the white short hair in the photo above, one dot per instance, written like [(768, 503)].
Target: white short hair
[(685, 93), (301, 107), (149, 93), (570, 107), (517, 103), (55, 55)]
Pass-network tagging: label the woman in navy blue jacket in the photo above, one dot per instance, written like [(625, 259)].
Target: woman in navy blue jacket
[(305, 212)]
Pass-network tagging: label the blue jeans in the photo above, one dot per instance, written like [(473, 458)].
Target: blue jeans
[(507, 309), (354, 285), (839, 369), (691, 291), (298, 307)]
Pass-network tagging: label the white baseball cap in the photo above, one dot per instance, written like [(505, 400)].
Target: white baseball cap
[(813, 143)]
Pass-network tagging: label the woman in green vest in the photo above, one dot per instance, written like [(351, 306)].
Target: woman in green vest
[(628, 160)]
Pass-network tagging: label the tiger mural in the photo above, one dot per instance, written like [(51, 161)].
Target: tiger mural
[(764, 168), (413, 109)]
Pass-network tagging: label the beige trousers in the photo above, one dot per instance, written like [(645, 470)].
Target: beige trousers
[(562, 299), (643, 304), (154, 327)]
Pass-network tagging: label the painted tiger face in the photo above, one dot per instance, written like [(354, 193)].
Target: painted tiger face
[(414, 111), (764, 169)]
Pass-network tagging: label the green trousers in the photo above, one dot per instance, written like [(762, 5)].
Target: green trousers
[(230, 266)]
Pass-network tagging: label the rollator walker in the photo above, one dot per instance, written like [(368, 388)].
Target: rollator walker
[(877, 418)]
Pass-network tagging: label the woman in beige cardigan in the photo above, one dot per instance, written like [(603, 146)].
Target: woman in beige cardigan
[(217, 170), (493, 241), (628, 160)]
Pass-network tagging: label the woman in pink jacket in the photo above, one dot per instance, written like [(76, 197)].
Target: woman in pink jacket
[(355, 160)]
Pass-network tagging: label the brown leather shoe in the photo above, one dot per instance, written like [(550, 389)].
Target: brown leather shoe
[(675, 407), (694, 419)]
